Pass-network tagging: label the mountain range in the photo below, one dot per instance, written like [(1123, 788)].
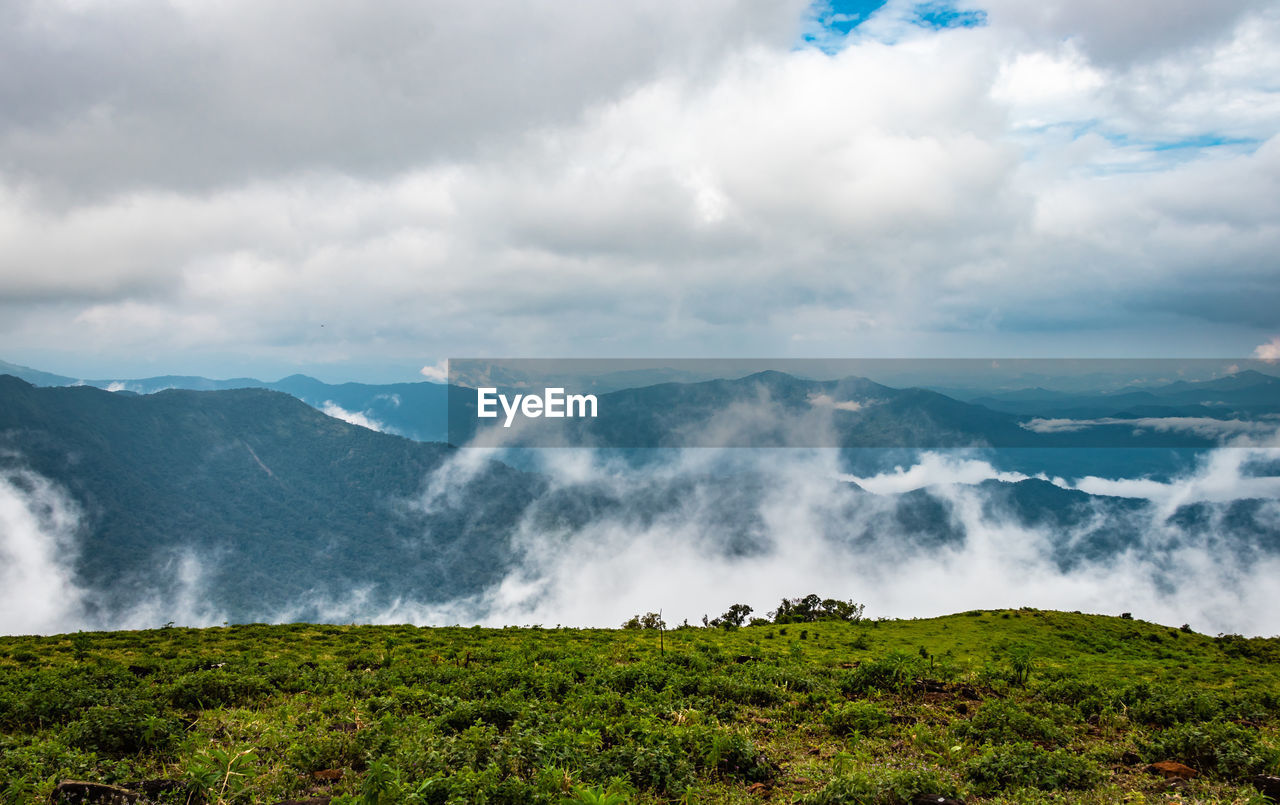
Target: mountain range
[(1249, 393), (861, 413), (413, 410), (774, 409), (281, 508)]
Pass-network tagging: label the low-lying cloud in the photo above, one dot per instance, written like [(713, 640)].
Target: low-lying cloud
[(38, 525), (689, 532), (804, 528), (41, 528), (1270, 351), (362, 418), (827, 401), (1240, 431), (933, 469)]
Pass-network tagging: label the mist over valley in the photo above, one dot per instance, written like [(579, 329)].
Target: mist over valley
[(124, 509)]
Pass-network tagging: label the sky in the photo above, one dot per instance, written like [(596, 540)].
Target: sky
[(242, 188)]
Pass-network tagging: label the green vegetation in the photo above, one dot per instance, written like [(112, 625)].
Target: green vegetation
[(1000, 707)]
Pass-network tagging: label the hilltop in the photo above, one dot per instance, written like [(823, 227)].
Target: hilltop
[(1012, 706)]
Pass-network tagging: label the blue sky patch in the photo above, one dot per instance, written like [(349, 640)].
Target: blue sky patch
[(831, 21), (844, 15), (942, 14), (1120, 139), (1204, 141), (1146, 154), (1191, 143)]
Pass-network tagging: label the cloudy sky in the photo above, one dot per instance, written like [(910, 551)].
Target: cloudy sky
[(354, 190)]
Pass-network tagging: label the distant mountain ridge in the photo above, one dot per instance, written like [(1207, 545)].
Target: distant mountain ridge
[(861, 413), (414, 410), (34, 376), (292, 503), (1247, 393)]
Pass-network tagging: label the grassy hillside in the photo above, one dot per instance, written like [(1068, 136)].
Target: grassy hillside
[(1006, 706)]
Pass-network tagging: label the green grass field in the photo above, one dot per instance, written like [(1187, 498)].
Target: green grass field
[(1017, 706)]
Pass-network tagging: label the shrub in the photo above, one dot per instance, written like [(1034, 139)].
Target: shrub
[(883, 787), (584, 795), (1249, 648), (1025, 765), (494, 712), (864, 718), (629, 678), (1088, 698), (123, 730), (1220, 749), (733, 755), (1068, 690), (657, 765), (221, 776), (894, 671), (203, 690), (1164, 706), (1005, 722)]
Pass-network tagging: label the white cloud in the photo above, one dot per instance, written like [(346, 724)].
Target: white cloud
[(361, 418), (194, 95), (1269, 351), (38, 523), (799, 534), (1221, 477), (933, 469), (827, 401), (437, 372), (1119, 35), (1046, 88), (1225, 431), (781, 523), (553, 181)]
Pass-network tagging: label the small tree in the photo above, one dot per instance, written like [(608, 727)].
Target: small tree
[(811, 608), (1021, 663), (835, 609), (81, 643), (649, 620), (734, 618)]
